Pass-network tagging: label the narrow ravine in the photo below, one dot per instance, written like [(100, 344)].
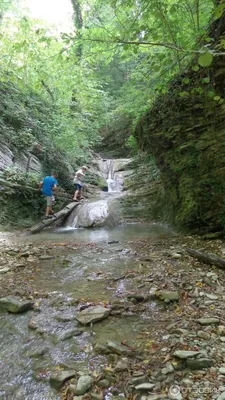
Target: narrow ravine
[(118, 311)]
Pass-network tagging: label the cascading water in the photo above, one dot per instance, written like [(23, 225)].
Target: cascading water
[(104, 211), (114, 179)]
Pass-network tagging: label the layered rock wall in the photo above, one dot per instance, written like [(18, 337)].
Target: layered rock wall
[(185, 131)]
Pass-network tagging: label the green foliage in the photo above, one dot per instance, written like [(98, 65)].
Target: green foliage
[(132, 145), (205, 60), (14, 175)]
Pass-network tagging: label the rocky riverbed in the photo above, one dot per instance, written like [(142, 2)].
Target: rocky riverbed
[(131, 319)]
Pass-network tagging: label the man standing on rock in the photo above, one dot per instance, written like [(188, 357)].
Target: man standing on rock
[(79, 183), (47, 186)]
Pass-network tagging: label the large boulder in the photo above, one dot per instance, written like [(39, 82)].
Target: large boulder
[(89, 214)]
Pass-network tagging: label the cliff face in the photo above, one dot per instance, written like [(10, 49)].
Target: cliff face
[(185, 131), (23, 161)]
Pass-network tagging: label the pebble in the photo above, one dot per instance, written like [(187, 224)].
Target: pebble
[(221, 396), (212, 296), (208, 321), (222, 370), (138, 380), (58, 378), (184, 354), (145, 386), (83, 385), (46, 257), (4, 270), (104, 383), (121, 365)]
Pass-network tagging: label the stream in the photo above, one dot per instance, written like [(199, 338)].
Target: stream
[(74, 276)]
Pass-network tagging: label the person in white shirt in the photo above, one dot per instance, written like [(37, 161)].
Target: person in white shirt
[(79, 182)]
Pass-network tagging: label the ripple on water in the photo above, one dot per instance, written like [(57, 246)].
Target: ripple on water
[(88, 274)]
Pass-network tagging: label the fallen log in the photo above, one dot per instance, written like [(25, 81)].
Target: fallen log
[(60, 214), (210, 259)]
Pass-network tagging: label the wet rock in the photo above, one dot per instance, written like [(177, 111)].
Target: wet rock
[(116, 313), (166, 295), (84, 384), (35, 322), (19, 265), (46, 257), (154, 397), (203, 335), (145, 386), (138, 380), (4, 270), (58, 378), (131, 275), (121, 365), (64, 318), (92, 314), (115, 391), (137, 297), (168, 369), (15, 304), (117, 305), (119, 348), (180, 331), (68, 333), (37, 352), (72, 388), (104, 383), (96, 396), (184, 354), (199, 363), (208, 321), (211, 296), (99, 348), (221, 396)]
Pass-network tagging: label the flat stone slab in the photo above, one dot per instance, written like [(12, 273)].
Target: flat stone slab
[(166, 295), (68, 333), (184, 354), (58, 378), (15, 304), (92, 314), (145, 386), (199, 363), (4, 270), (208, 321), (118, 348), (46, 257)]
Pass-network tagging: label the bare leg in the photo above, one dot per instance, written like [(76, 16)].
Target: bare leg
[(48, 210), (76, 195)]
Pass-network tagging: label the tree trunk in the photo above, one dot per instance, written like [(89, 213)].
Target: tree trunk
[(60, 214), (210, 259)]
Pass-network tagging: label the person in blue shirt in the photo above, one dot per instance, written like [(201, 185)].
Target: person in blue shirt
[(47, 186)]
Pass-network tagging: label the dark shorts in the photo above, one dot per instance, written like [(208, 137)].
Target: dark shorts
[(78, 186)]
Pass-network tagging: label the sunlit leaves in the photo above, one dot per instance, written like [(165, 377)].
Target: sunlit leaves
[(195, 68), (219, 11), (205, 60)]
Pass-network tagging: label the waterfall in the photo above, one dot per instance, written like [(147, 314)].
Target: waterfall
[(105, 210), (114, 179)]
